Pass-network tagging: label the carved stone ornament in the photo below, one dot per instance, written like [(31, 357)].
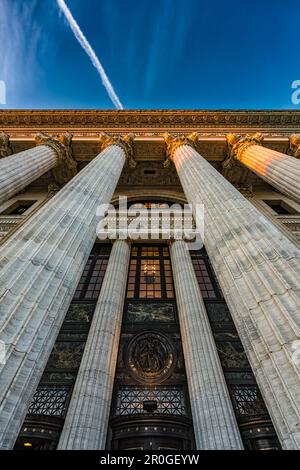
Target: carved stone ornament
[(53, 189), (150, 357), (151, 120), (173, 142), (5, 148), (67, 166), (237, 144), (294, 145), (125, 142), (246, 191)]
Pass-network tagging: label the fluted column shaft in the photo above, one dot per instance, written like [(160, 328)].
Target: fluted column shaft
[(40, 266), (21, 169), (88, 414), (214, 421), (259, 272), (279, 170)]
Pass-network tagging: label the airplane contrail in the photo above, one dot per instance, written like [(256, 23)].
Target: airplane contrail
[(89, 50)]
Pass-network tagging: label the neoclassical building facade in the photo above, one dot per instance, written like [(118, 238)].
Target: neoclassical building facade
[(142, 343)]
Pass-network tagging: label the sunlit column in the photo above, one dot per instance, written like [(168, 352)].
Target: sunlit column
[(41, 265), (259, 272), (86, 423), (21, 169), (278, 169), (214, 421)]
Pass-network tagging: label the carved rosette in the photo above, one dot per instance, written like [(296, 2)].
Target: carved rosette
[(125, 142), (237, 144), (173, 142), (67, 166), (294, 146), (5, 148)]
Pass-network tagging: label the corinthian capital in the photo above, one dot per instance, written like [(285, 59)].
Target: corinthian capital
[(125, 142), (67, 166), (237, 144), (173, 142), (5, 148), (294, 145)]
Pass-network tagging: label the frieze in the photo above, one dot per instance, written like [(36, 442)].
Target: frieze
[(165, 119)]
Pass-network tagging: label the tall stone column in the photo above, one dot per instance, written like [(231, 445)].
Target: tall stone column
[(214, 421), (23, 168), (259, 272), (41, 265), (86, 423), (5, 148), (279, 170)]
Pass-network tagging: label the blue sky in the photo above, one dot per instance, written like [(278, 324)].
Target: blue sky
[(174, 54)]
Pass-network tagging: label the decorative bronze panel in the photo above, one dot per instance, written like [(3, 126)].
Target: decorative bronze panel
[(49, 401), (151, 357), (170, 401)]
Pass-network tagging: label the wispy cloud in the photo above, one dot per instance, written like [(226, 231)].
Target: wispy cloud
[(19, 39), (169, 33), (90, 52)]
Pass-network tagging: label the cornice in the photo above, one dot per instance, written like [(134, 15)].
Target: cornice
[(150, 119)]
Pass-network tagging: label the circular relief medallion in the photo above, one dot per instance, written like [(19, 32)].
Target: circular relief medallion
[(150, 357)]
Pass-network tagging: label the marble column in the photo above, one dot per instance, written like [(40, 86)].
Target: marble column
[(5, 148), (41, 265), (87, 418), (278, 169), (259, 272), (214, 421), (21, 169)]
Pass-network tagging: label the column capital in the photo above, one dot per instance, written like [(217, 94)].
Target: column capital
[(237, 144), (67, 166), (5, 148), (294, 145), (173, 142), (125, 142)]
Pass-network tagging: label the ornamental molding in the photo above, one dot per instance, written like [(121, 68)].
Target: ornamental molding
[(5, 148), (125, 142), (294, 146), (145, 119), (67, 166)]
